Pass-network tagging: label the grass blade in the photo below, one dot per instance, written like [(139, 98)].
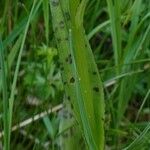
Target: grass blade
[(5, 96), (12, 94)]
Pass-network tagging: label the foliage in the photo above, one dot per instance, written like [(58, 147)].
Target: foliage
[(118, 33)]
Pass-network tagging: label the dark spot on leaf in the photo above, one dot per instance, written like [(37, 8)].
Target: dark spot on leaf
[(69, 98), (70, 115), (62, 24), (96, 89), (103, 119), (66, 134), (66, 39), (81, 141), (71, 105), (72, 80), (94, 72), (55, 2), (62, 68), (67, 15), (53, 85), (71, 131), (69, 59), (59, 40), (65, 82), (65, 116), (56, 146)]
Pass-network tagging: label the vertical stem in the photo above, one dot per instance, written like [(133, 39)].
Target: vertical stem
[(5, 97)]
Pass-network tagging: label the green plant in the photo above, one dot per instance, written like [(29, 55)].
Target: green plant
[(81, 87), (43, 115)]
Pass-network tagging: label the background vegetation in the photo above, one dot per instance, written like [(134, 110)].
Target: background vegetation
[(119, 33)]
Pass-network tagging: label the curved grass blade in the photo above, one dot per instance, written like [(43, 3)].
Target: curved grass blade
[(58, 10), (5, 96), (90, 81), (80, 75), (12, 94), (137, 143)]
